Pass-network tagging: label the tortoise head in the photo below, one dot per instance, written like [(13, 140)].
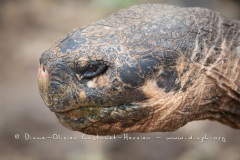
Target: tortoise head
[(110, 77), (88, 70), (102, 80), (98, 82)]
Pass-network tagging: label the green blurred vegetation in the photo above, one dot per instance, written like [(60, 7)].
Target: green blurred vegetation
[(114, 4)]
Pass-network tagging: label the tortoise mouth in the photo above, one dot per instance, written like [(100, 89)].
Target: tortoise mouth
[(92, 120), (65, 109)]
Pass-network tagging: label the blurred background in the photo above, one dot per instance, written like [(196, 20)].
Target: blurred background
[(27, 29)]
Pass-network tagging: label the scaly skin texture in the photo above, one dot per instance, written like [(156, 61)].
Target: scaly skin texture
[(147, 68)]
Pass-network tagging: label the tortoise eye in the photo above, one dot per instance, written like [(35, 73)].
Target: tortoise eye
[(92, 69)]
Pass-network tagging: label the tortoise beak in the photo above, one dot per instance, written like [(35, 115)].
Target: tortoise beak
[(43, 84)]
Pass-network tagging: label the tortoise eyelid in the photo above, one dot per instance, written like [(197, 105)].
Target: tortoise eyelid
[(85, 74), (101, 69)]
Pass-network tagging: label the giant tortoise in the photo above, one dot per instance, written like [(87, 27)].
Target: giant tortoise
[(147, 68)]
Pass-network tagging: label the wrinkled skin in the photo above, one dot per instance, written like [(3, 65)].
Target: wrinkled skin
[(147, 68)]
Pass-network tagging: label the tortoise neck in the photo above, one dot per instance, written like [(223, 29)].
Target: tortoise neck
[(216, 103), (226, 111), (211, 91)]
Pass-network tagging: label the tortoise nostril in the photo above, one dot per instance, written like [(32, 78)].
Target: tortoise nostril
[(43, 68)]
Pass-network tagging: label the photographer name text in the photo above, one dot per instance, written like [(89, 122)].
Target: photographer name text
[(125, 137)]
